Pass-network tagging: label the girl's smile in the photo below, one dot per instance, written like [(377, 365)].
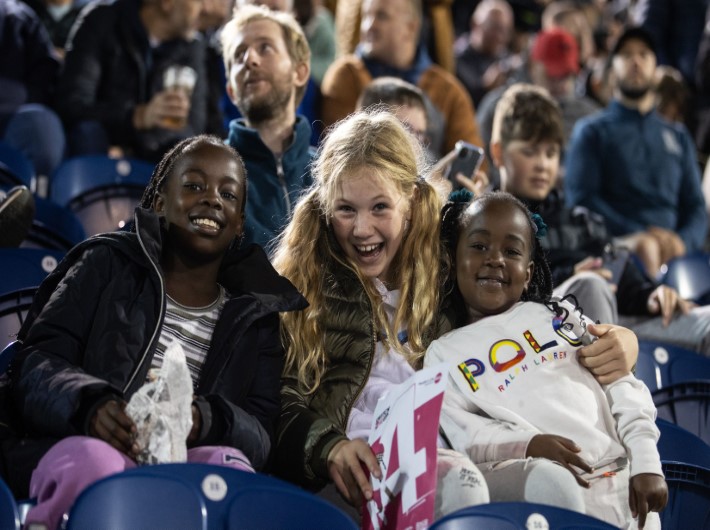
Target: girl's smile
[(369, 222), (493, 258)]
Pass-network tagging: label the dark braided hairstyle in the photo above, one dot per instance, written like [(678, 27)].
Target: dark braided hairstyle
[(165, 167), (455, 216)]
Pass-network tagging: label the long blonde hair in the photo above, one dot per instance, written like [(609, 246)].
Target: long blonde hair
[(305, 253)]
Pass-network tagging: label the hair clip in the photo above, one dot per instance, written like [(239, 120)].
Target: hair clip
[(540, 226), (463, 196)]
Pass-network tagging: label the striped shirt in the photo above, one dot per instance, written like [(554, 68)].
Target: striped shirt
[(193, 328)]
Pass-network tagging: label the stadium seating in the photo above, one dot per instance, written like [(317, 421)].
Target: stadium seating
[(101, 191), (229, 498), (690, 276), (517, 516), (23, 269), (686, 466)]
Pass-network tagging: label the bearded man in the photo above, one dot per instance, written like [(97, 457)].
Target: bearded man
[(636, 169), (267, 62)]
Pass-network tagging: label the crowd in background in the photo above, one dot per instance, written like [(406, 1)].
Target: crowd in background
[(594, 113)]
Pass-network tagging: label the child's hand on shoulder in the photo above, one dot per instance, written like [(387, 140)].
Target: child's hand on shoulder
[(561, 450), (648, 492), (612, 355)]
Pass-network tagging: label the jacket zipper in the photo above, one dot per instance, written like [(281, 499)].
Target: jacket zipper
[(367, 374), (160, 316), (282, 182)]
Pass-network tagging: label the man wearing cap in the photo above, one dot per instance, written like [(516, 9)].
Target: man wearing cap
[(636, 169)]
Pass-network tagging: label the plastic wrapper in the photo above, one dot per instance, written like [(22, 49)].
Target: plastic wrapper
[(162, 411)]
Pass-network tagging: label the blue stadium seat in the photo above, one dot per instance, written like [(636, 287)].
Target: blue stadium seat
[(686, 465), (690, 276), (517, 516), (101, 191), (687, 405), (139, 501), (15, 167), (283, 506), (660, 365), (23, 269), (9, 514), (54, 227), (221, 486), (7, 354)]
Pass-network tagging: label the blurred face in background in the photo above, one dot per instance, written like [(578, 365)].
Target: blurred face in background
[(634, 67), (388, 30)]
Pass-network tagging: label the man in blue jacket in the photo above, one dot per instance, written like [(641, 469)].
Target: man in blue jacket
[(267, 62), (636, 169)]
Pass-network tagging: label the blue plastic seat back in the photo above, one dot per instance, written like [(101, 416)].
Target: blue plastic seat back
[(688, 498), (23, 269), (15, 167), (680, 445), (220, 485), (660, 365), (686, 405), (139, 501), (686, 466), (9, 514), (7, 354), (284, 506), (101, 191), (54, 227), (690, 276), (517, 515)]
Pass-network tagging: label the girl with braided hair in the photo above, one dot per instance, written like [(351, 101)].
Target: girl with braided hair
[(517, 394), (106, 315), (364, 248)]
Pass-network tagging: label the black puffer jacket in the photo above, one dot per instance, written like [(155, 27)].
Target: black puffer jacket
[(110, 68), (94, 325), (577, 233)]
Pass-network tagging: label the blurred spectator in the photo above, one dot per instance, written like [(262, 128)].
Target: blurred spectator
[(638, 171), (319, 26), (437, 31), (267, 60), (28, 77), (702, 85), (402, 99), (553, 64), (676, 29), (115, 88), (671, 93), (412, 108), (58, 16), (390, 47), (483, 60), (214, 14)]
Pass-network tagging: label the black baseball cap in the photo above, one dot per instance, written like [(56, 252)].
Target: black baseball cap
[(636, 32)]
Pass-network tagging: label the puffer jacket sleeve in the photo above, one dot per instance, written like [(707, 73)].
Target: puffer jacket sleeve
[(304, 438), (250, 427), (49, 386)]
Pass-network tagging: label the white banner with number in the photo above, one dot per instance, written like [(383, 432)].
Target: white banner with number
[(403, 438)]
